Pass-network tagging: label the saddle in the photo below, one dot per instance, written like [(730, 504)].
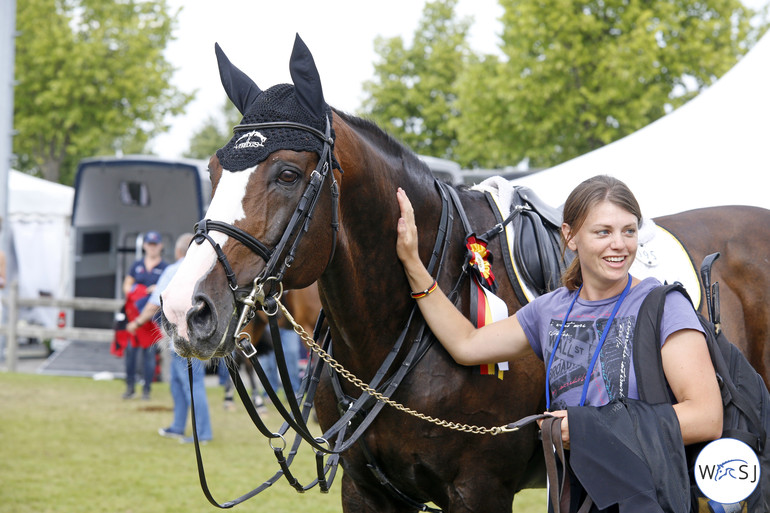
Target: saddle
[(535, 263)]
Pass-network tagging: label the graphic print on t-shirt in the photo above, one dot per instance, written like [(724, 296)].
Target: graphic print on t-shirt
[(615, 359), (573, 357)]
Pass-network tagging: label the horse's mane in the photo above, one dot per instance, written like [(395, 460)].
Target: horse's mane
[(388, 143)]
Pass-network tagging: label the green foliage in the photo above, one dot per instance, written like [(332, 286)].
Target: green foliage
[(573, 76), (413, 94), (92, 79), (214, 133), (582, 74)]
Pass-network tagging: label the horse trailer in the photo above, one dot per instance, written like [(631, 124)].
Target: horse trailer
[(117, 200)]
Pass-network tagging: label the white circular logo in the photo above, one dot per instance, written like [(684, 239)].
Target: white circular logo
[(727, 471)]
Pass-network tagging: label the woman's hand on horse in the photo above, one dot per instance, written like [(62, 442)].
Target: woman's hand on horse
[(406, 244), (496, 342)]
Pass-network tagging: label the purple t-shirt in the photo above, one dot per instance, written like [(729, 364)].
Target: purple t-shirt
[(613, 375)]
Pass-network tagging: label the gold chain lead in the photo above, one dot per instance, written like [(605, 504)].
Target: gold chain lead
[(466, 428)]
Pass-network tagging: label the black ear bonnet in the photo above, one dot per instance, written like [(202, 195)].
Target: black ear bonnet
[(299, 103)]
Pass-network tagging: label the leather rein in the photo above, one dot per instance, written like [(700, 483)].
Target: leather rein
[(356, 415)]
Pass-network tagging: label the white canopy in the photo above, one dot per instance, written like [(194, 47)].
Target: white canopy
[(714, 150), (28, 195), (39, 213)]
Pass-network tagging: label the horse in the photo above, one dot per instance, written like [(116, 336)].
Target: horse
[(342, 235)]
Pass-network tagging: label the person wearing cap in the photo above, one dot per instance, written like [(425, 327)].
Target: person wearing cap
[(179, 383), (137, 287)]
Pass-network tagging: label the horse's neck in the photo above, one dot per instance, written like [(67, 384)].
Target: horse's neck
[(364, 287)]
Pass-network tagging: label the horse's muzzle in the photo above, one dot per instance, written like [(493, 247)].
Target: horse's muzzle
[(205, 338)]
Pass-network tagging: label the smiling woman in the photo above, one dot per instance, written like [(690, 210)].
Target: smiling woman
[(601, 226), (594, 313)]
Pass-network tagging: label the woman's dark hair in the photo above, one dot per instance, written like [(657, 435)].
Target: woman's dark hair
[(580, 201)]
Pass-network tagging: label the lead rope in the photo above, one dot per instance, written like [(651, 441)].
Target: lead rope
[(558, 492)]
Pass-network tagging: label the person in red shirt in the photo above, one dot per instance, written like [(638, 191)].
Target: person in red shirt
[(137, 286)]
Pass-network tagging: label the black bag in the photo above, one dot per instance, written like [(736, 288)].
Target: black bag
[(744, 394)]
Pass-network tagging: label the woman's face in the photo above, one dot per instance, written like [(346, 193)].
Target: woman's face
[(606, 245)]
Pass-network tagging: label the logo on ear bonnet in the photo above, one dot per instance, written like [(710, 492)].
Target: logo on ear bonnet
[(246, 141)]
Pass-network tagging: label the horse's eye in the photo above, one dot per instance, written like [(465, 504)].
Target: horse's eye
[(288, 176)]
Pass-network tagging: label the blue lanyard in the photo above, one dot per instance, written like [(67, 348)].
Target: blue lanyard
[(605, 332)]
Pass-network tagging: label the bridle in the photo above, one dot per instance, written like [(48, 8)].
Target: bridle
[(269, 282)]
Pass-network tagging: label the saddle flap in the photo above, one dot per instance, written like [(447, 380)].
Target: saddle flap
[(534, 262), (536, 252), (537, 249)]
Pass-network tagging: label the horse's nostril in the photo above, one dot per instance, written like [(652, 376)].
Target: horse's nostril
[(201, 318)]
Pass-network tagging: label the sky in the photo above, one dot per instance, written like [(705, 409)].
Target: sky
[(258, 36)]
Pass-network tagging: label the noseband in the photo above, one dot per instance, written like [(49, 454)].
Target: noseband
[(273, 273)]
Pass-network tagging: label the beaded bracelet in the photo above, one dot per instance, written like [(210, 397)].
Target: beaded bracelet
[(418, 295)]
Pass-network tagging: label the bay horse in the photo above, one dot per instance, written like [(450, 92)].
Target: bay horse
[(325, 210)]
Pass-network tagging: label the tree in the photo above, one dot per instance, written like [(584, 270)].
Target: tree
[(573, 76), (578, 75), (214, 133), (413, 94), (92, 79)]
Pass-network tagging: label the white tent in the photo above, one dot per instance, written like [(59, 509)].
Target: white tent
[(39, 214), (714, 150)]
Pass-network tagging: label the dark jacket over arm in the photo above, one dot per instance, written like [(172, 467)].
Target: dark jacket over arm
[(630, 453)]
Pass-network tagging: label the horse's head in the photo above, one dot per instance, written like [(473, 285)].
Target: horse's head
[(269, 181)]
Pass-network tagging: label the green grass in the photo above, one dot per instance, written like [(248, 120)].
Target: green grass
[(73, 445)]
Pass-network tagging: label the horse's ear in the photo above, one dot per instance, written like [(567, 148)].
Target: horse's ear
[(307, 82), (241, 90)]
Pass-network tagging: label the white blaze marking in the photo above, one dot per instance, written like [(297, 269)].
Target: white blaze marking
[(227, 207)]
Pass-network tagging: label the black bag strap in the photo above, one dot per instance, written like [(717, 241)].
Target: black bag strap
[(755, 436), (648, 364)]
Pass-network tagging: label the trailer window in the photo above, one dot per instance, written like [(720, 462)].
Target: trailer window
[(96, 242), (134, 194)]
